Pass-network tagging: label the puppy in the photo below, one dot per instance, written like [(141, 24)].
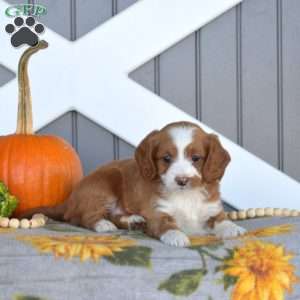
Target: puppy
[(171, 187)]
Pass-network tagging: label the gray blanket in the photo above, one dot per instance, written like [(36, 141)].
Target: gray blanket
[(62, 262)]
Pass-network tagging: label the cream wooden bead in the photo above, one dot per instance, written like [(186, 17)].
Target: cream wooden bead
[(24, 223), (35, 223), (278, 212), (242, 214), (233, 215), (14, 223), (286, 212), (295, 213), (269, 212), (41, 221), (259, 212), (251, 213), (40, 216), (4, 222)]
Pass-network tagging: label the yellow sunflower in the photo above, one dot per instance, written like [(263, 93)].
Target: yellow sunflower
[(85, 247), (263, 271)]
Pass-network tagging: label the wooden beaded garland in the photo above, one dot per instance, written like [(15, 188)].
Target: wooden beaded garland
[(262, 212), (251, 213), (37, 220), (24, 224)]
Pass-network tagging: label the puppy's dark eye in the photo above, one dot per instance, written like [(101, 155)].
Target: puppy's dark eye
[(167, 158), (196, 157)]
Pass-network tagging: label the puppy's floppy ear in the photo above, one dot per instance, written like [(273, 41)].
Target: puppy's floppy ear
[(144, 156), (216, 161)]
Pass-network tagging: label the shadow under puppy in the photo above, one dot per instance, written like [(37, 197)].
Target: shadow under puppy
[(171, 187)]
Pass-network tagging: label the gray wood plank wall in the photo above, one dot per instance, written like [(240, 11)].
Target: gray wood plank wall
[(240, 74)]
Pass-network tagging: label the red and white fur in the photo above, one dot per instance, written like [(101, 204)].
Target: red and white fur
[(170, 189)]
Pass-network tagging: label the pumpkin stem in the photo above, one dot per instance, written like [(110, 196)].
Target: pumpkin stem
[(24, 123)]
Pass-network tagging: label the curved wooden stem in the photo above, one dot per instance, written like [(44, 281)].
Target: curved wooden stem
[(25, 123)]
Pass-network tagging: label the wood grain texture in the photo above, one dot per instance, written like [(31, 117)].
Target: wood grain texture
[(177, 82), (218, 75), (95, 144), (125, 150), (145, 75), (58, 16), (90, 14), (5, 75), (123, 4), (61, 127), (259, 79), (291, 86)]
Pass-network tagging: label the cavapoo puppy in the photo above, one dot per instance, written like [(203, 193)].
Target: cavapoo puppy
[(171, 188)]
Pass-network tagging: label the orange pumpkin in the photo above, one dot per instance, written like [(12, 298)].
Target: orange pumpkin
[(39, 170)]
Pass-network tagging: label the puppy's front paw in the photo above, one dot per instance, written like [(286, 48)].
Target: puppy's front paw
[(134, 221), (228, 229), (175, 238), (104, 225)]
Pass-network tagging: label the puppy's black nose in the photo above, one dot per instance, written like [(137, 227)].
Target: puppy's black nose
[(181, 181)]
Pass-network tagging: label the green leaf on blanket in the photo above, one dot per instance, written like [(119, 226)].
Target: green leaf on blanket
[(64, 228), (183, 283), (139, 235), (134, 256), (214, 246), (28, 297), (227, 281), (230, 253)]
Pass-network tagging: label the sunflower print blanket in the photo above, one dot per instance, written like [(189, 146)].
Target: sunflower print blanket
[(62, 262)]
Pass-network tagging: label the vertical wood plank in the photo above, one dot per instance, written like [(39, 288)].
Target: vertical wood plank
[(198, 75), (218, 75), (291, 86), (123, 4), (5, 75), (259, 82), (279, 86), (178, 76), (144, 75), (58, 16), (125, 150), (90, 14), (239, 86), (95, 144), (61, 127)]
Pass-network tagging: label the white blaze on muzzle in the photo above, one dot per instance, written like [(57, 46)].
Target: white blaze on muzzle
[(181, 165)]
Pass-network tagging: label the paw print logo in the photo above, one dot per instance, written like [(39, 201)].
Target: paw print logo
[(24, 32)]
